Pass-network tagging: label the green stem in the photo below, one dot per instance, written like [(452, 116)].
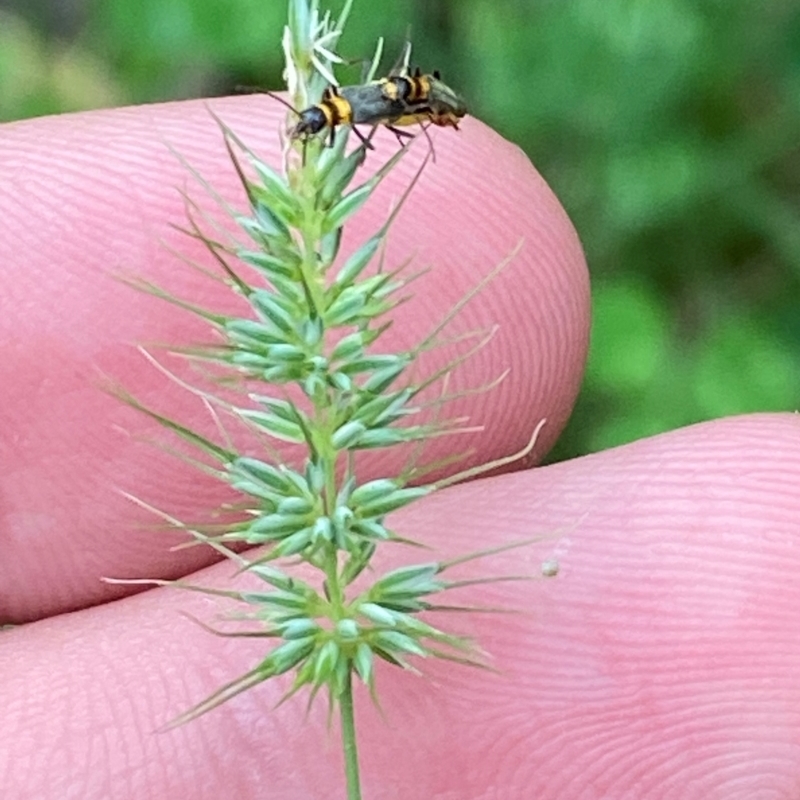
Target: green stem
[(349, 741)]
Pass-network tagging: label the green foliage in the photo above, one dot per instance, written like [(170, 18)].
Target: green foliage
[(40, 76), (668, 128)]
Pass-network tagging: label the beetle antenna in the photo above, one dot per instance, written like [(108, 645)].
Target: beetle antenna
[(283, 102)]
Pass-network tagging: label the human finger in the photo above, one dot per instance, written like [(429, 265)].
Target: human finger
[(87, 198), (660, 662)]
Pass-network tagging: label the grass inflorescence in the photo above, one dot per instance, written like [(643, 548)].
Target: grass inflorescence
[(311, 344)]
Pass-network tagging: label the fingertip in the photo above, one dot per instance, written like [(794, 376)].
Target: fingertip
[(482, 203), (92, 196)]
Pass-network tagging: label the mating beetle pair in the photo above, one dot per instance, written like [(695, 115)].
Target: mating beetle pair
[(397, 100)]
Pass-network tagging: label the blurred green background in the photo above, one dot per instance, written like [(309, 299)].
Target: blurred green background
[(670, 130)]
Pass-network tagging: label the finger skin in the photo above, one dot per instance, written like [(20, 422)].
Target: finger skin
[(660, 663), (88, 198)]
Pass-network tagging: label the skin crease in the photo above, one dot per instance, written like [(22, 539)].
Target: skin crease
[(661, 662)]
